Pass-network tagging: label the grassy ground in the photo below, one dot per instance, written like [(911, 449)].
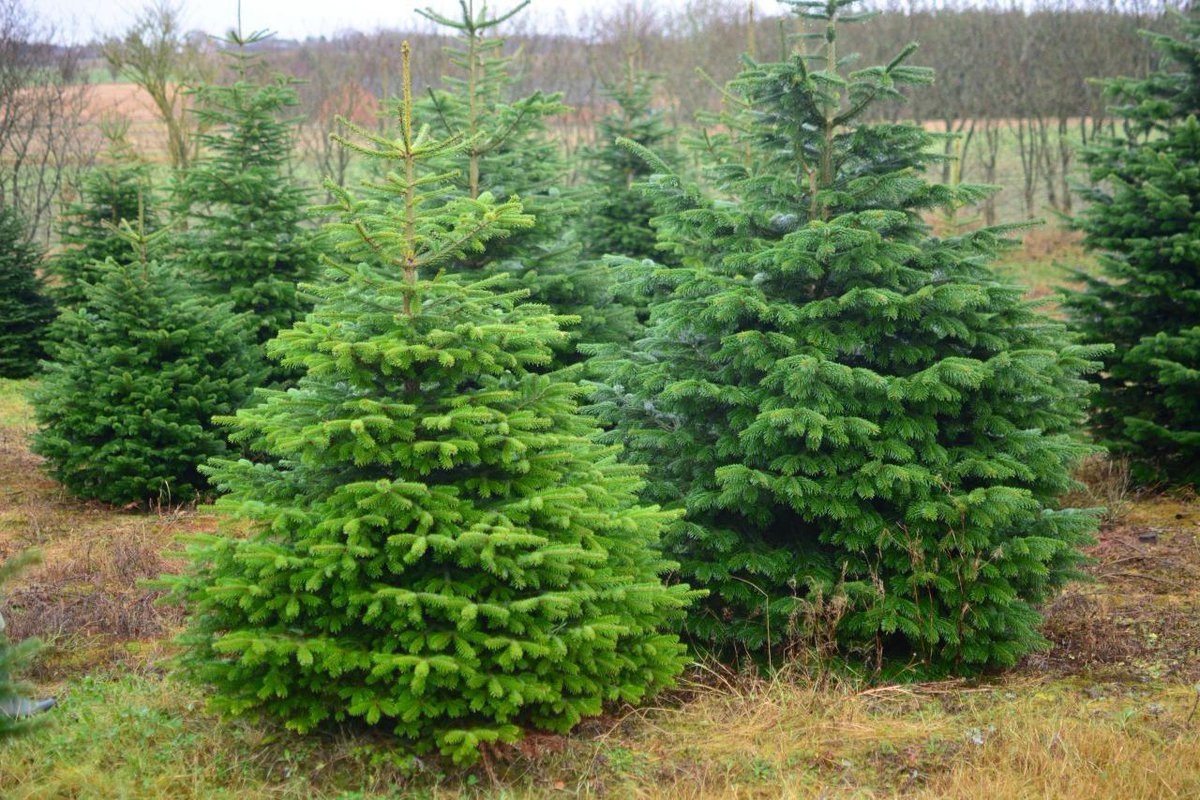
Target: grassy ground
[(1110, 712)]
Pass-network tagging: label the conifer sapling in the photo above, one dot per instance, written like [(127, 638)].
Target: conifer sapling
[(436, 545), (868, 429), (25, 310)]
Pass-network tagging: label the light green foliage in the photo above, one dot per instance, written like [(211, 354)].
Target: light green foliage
[(509, 153), (140, 369), (1142, 219), (436, 545), (868, 429), (25, 310)]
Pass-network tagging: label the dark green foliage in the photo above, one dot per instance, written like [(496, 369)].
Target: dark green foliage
[(245, 236), (118, 190), (139, 371), (25, 310), (508, 152), (437, 545), (616, 216), (1143, 217), (868, 429), (14, 656)]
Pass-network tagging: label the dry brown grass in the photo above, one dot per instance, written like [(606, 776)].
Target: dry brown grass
[(1109, 714)]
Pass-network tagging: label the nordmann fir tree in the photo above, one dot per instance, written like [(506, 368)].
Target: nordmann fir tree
[(510, 153), (617, 212), (870, 432), (14, 658), (437, 546), (246, 237), (119, 189), (1143, 219), (25, 309), (139, 370)]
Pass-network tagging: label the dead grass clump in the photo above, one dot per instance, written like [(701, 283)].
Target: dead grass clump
[(1107, 484)]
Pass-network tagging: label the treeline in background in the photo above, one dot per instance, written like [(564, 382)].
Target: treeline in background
[(1016, 81)]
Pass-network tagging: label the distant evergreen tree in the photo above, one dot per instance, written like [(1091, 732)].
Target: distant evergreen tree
[(14, 657), (25, 310), (119, 189), (616, 216), (438, 545), (245, 236), (869, 431), (1143, 218), (508, 152), (140, 369)]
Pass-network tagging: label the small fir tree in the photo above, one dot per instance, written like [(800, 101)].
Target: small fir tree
[(868, 430), (511, 154), (139, 371), (25, 309), (617, 214), (14, 658), (1143, 221), (245, 236), (438, 545), (118, 190)]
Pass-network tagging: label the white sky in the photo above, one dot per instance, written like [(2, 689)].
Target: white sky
[(81, 20)]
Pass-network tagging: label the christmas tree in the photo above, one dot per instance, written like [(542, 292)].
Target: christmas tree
[(117, 190), (25, 310), (510, 153), (14, 657), (616, 217), (437, 544), (140, 369), (246, 237), (869, 431), (1141, 219)]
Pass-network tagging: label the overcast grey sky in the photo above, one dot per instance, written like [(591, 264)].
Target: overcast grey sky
[(83, 19)]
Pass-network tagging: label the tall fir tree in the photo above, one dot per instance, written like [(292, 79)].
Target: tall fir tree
[(139, 370), (25, 309), (869, 431), (438, 545), (1143, 219), (120, 189), (511, 153), (245, 236), (14, 658)]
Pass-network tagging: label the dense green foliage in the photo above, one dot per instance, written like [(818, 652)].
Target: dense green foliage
[(509, 153), (14, 656), (245, 236), (114, 191), (25, 309), (1143, 216), (140, 368), (869, 431), (437, 545), (616, 216)]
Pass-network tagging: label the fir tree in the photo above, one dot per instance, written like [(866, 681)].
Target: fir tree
[(868, 430), (118, 190), (139, 371), (14, 657), (437, 546), (510, 154), (1143, 218), (246, 237), (25, 310), (616, 216)]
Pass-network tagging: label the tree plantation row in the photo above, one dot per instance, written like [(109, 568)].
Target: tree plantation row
[(493, 450)]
